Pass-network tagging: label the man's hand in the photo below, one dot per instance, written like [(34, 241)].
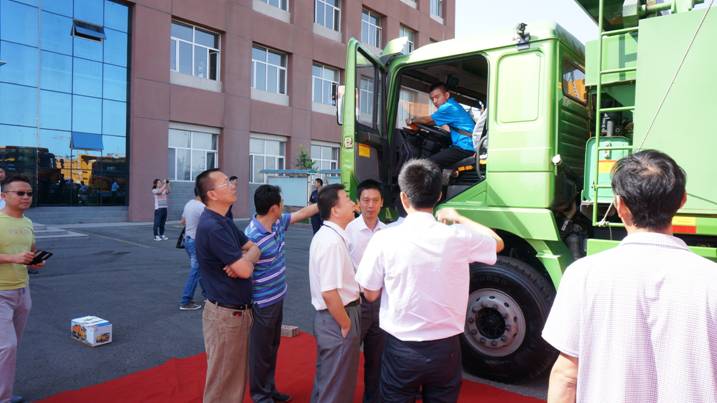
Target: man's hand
[(23, 258), (448, 215), (37, 266), (345, 330), (228, 270)]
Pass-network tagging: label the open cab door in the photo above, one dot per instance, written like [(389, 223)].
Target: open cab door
[(361, 112)]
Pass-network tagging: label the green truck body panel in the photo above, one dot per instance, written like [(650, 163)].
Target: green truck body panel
[(532, 121), (601, 245)]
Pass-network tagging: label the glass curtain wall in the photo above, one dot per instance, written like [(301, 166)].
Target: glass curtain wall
[(63, 98)]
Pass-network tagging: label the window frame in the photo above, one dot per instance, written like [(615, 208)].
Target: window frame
[(191, 130), (569, 64), (377, 27), (323, 145), (193, 44), (253, 176), (266, 63), (324, 81), (366, 94), (437, 6), (335, 9), (285, 2)]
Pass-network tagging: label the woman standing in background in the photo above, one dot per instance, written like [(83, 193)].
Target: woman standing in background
[(160, 190)]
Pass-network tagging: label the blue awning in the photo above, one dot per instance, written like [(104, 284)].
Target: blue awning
[(86, 141)]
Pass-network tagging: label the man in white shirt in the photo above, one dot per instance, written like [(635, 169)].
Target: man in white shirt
[(360, 231), (190, 218), (638, 323), (335, 295), (420, 270)]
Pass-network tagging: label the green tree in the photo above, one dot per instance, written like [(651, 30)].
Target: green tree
[(303, 160)]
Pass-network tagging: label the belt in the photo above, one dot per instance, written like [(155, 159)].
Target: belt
[(241, 307)]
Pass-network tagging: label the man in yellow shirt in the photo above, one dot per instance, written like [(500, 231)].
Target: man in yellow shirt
[(17, 244)]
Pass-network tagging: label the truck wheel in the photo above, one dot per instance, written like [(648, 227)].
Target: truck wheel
[(507, 308)]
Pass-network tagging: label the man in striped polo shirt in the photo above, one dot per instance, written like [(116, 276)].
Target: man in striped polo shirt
[(268, 231)]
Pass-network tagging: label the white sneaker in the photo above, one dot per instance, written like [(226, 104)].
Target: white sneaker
[(157, 238), (164, 238)]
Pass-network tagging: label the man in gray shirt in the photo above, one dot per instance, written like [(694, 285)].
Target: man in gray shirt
[(190, 218)]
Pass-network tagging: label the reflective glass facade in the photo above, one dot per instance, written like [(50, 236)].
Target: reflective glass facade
[(63, 99)]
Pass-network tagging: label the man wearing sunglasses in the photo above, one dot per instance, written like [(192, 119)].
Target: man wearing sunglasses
[(17, 244)]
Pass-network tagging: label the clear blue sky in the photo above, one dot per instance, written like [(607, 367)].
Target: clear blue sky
[(486, 16)]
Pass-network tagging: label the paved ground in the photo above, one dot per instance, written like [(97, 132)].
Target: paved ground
[(119, 273)]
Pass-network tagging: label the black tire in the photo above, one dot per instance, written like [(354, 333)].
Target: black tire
[(514, 354)]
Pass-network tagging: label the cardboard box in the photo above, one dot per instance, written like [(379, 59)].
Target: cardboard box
[(91, 330)]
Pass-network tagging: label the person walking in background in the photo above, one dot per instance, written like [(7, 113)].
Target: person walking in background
[(190, 218), (2, 179), (335, 296), (268, 231), (17, 244), (412, 266), (160, 190), (638, 322), (360, 231), (314, 198), (226, 262)]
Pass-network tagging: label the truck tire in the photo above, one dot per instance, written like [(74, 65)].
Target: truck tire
[(507, 308)]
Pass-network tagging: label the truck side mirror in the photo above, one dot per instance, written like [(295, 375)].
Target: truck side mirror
[(338, 94)]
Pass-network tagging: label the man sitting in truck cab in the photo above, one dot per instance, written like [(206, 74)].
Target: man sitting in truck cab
[(450, 115)]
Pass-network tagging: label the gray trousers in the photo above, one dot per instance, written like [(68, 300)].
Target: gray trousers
[(373, 338), (263, 347), (337, 357), (14, 309)]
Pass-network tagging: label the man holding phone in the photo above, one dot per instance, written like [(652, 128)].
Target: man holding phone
[(17, 247)]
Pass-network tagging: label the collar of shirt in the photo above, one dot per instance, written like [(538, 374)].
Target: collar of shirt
[(654, 239), (342, 233), (260, 228), (419, 217), (362, 224)]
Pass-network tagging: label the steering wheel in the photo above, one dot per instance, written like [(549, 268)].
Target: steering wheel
[(433, 133)]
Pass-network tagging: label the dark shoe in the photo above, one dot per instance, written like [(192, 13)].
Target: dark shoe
[(17, 399), (280, 397), (190, 307)]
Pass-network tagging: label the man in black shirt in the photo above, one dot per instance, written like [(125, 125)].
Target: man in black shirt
[(226, 263)]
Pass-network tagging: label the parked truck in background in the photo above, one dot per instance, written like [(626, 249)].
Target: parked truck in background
[(559, 114)]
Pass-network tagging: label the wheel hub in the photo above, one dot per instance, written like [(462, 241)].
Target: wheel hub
[(495, 324)]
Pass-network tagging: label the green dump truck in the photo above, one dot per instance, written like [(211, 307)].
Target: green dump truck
[(557, 115)]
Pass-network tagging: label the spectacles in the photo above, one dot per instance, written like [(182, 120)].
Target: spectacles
[(20, 193), (225, 183)]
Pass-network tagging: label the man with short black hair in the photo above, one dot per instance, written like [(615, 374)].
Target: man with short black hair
[(17, 246), (314, 198), (226, 262), (451, 117), (360, 231), (638, 323), (335, 296), (420, 270), (268, 231)]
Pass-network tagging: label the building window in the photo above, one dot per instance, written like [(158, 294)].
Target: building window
[(325, 79), (191, 151), (325, 156), (371, 28), (268, 70), (436, 8), (406, 106), (194, 51), (280, 4), (366, 97), (404, 31), (265, 152), (327, 13), (574, 82)]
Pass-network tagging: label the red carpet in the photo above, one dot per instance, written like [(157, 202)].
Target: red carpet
[(182, 380)]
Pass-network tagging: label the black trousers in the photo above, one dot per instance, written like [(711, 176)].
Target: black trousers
[(373, 339), (433, 366), (263, 348), (449, 156), (316, 222), (160, 218)]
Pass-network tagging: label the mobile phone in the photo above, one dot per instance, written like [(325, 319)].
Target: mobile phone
[(40, 256)]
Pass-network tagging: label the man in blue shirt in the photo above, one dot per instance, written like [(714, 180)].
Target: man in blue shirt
[(226, 263), (450, 116), (268, 231)]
